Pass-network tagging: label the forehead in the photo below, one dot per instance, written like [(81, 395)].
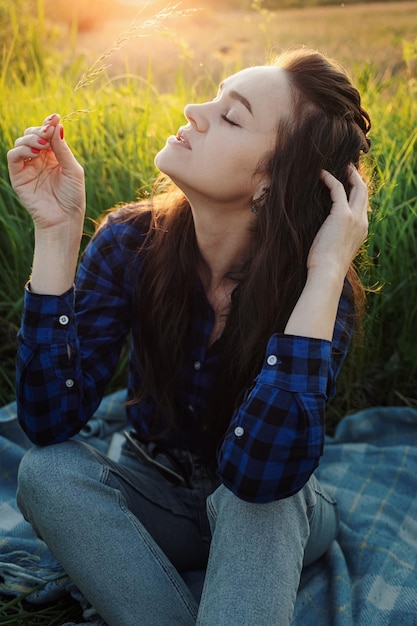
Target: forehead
[(265, 87)]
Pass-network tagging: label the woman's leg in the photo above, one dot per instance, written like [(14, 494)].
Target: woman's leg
[(78, 504), (257, 554)]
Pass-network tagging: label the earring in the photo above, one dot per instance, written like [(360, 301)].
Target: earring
[(258, 200)]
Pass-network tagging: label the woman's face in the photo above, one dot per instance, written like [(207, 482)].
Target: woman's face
[(217, 154)]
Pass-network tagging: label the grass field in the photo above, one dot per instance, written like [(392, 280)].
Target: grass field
[(131, 108), (212, 41)]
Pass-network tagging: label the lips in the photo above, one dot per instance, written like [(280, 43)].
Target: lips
[(180, 137)]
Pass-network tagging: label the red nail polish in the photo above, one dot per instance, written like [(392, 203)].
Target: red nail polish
[(61, 132), (42, 142), (35, 151)]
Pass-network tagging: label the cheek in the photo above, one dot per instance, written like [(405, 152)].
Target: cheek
[(244, 168), (242, 157)]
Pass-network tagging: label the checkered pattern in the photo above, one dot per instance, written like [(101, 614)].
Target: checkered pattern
[(69, 347), (369, 575)]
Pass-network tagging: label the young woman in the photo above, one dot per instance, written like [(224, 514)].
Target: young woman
[(239, 294)]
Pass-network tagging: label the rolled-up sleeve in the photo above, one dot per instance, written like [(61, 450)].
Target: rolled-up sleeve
[(46, 382), (275, 438), (69, 344)]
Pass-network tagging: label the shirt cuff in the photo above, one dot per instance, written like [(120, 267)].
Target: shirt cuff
[(46, 318), (297, 364)]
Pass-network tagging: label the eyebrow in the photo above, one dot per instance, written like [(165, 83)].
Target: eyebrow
[(238, 96)]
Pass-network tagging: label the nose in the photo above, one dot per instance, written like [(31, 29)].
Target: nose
[(196, 114)]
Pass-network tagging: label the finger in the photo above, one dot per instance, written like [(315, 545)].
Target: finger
[(337, 191), (33, 140), (52, 119), (37, 139), (32, 130), (358, 195), (62, 152), (19, 158), (26, 152), (358, 201), (354, 178), (358, 189)]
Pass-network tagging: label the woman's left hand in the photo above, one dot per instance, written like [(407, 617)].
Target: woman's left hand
[(346, 227)]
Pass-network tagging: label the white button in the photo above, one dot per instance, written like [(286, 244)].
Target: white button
[(272, 359), (69, 383), (191, 408), (197, 365), (239, 431), (63, 320)]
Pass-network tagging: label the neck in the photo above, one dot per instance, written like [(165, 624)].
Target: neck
[(223, 238)]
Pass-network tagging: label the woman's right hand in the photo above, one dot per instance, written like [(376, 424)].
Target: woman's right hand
[(47, 178)]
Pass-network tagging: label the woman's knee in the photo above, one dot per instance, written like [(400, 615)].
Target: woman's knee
[(300, 504), (39, 462), (45, 473), (306, 517)]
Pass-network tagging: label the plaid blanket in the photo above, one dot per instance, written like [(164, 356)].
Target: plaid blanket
[(369, 575), (367, 578)]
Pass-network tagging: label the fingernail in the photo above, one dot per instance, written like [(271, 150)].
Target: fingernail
[(61, 132), (51, 117), (35, 151), (46, 128), (42, 142)]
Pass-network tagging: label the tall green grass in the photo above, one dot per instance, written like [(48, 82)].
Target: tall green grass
[(382, 369), (121, 124)]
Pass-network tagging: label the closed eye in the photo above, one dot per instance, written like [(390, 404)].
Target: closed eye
[(229, 121)]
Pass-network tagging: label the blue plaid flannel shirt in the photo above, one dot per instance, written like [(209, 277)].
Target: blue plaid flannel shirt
[(275, 438)]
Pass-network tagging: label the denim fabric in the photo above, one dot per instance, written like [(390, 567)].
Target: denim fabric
[(129, 539)]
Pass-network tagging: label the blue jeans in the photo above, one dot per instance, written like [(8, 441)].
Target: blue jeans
[(129, 538)]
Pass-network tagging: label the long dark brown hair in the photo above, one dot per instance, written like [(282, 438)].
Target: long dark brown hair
[(327, 130)]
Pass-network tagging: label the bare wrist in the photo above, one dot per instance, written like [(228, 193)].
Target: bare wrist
[(331, 274), (55, 260)]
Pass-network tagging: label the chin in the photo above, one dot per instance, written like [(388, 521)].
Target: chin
[(163, 162), (158, 160)]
